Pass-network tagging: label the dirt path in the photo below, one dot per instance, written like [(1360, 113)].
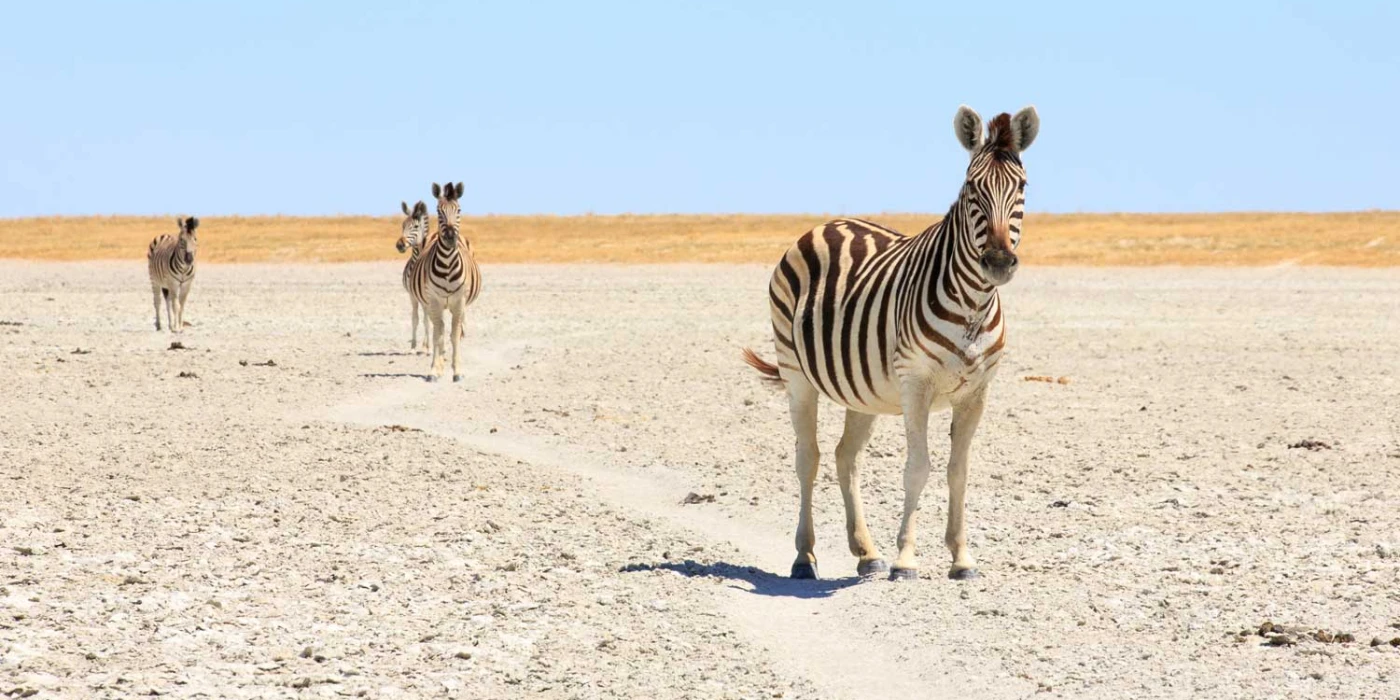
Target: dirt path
[(805, 628)]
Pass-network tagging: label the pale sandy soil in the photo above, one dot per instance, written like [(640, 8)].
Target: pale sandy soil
[(258, 531)]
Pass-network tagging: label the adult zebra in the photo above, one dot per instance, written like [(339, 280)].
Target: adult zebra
[(414, 232), (170, 264), (884, 323), (446, 276)]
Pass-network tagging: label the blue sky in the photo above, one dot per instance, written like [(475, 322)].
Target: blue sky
[(606, 107)]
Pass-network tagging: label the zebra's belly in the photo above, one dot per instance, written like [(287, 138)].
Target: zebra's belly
[(852, 377)]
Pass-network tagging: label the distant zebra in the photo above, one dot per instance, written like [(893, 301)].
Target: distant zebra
[(170, 263), (880, 322), (415, 233), (446, 277)]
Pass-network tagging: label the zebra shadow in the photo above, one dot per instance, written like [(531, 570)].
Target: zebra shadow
[(395, 375), (391, 353), (759, 582)]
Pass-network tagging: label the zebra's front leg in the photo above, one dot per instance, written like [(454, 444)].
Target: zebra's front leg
[(413, 317), (155, 299), (853, 440), (427, 323), (966, 416), (802, 402), (915, 397), (180, 308), (169, 295), (457, 321), (435, 315)]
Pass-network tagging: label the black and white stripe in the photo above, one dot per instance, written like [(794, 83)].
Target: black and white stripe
[(171, 266), (446, 276), (883, 323)]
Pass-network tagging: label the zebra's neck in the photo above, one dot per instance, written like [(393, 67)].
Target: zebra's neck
[(959, 286)]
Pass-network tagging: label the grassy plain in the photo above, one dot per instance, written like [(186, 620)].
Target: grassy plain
[(1367, 239)]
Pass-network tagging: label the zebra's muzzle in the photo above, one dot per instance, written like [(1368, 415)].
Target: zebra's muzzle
[(999, 265)]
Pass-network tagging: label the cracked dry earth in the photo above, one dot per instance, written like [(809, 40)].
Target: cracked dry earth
[(200, 523)]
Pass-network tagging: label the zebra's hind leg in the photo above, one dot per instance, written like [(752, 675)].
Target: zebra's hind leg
[(435, 315), (155, 299), (458, 314), (966, 416), (916, 395), (413, 318), (853, 440), (802, 402)]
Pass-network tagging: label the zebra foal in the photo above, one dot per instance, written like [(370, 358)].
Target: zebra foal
[(170, 264), (884, 323)]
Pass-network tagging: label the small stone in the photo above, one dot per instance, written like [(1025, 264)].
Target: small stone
[(1282, 640), (463, 655), (303, 682), (606, 599), (1344, 638), (1385, 551), (1377, 641), (1266, 628), (307, 653), (1323, 636), (25, 551), (661, 606)]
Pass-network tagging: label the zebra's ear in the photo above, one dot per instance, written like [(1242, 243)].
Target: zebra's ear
[(405, 207), (458, 195), (420, 210), (180, 221), (1024, 126), (967, 124), (191, 224), (437, 191)]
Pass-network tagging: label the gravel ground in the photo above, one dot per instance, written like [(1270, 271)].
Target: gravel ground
[(1224, 452)]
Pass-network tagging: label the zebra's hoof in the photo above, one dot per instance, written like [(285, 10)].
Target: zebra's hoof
[(457, 378), (963, 574), (433, 378), (872, 568), (804, 571), (898, 574)]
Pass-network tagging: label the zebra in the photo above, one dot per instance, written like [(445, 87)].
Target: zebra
[(170, 263), (883, 323), (414, 234), (446, 277)]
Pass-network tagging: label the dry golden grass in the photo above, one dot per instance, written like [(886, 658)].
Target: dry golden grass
[(1370, 239)]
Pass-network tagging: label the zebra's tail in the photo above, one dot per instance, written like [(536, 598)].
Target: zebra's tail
[(769, 371)]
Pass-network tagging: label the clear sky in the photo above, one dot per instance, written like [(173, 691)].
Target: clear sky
[(718, 106)]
